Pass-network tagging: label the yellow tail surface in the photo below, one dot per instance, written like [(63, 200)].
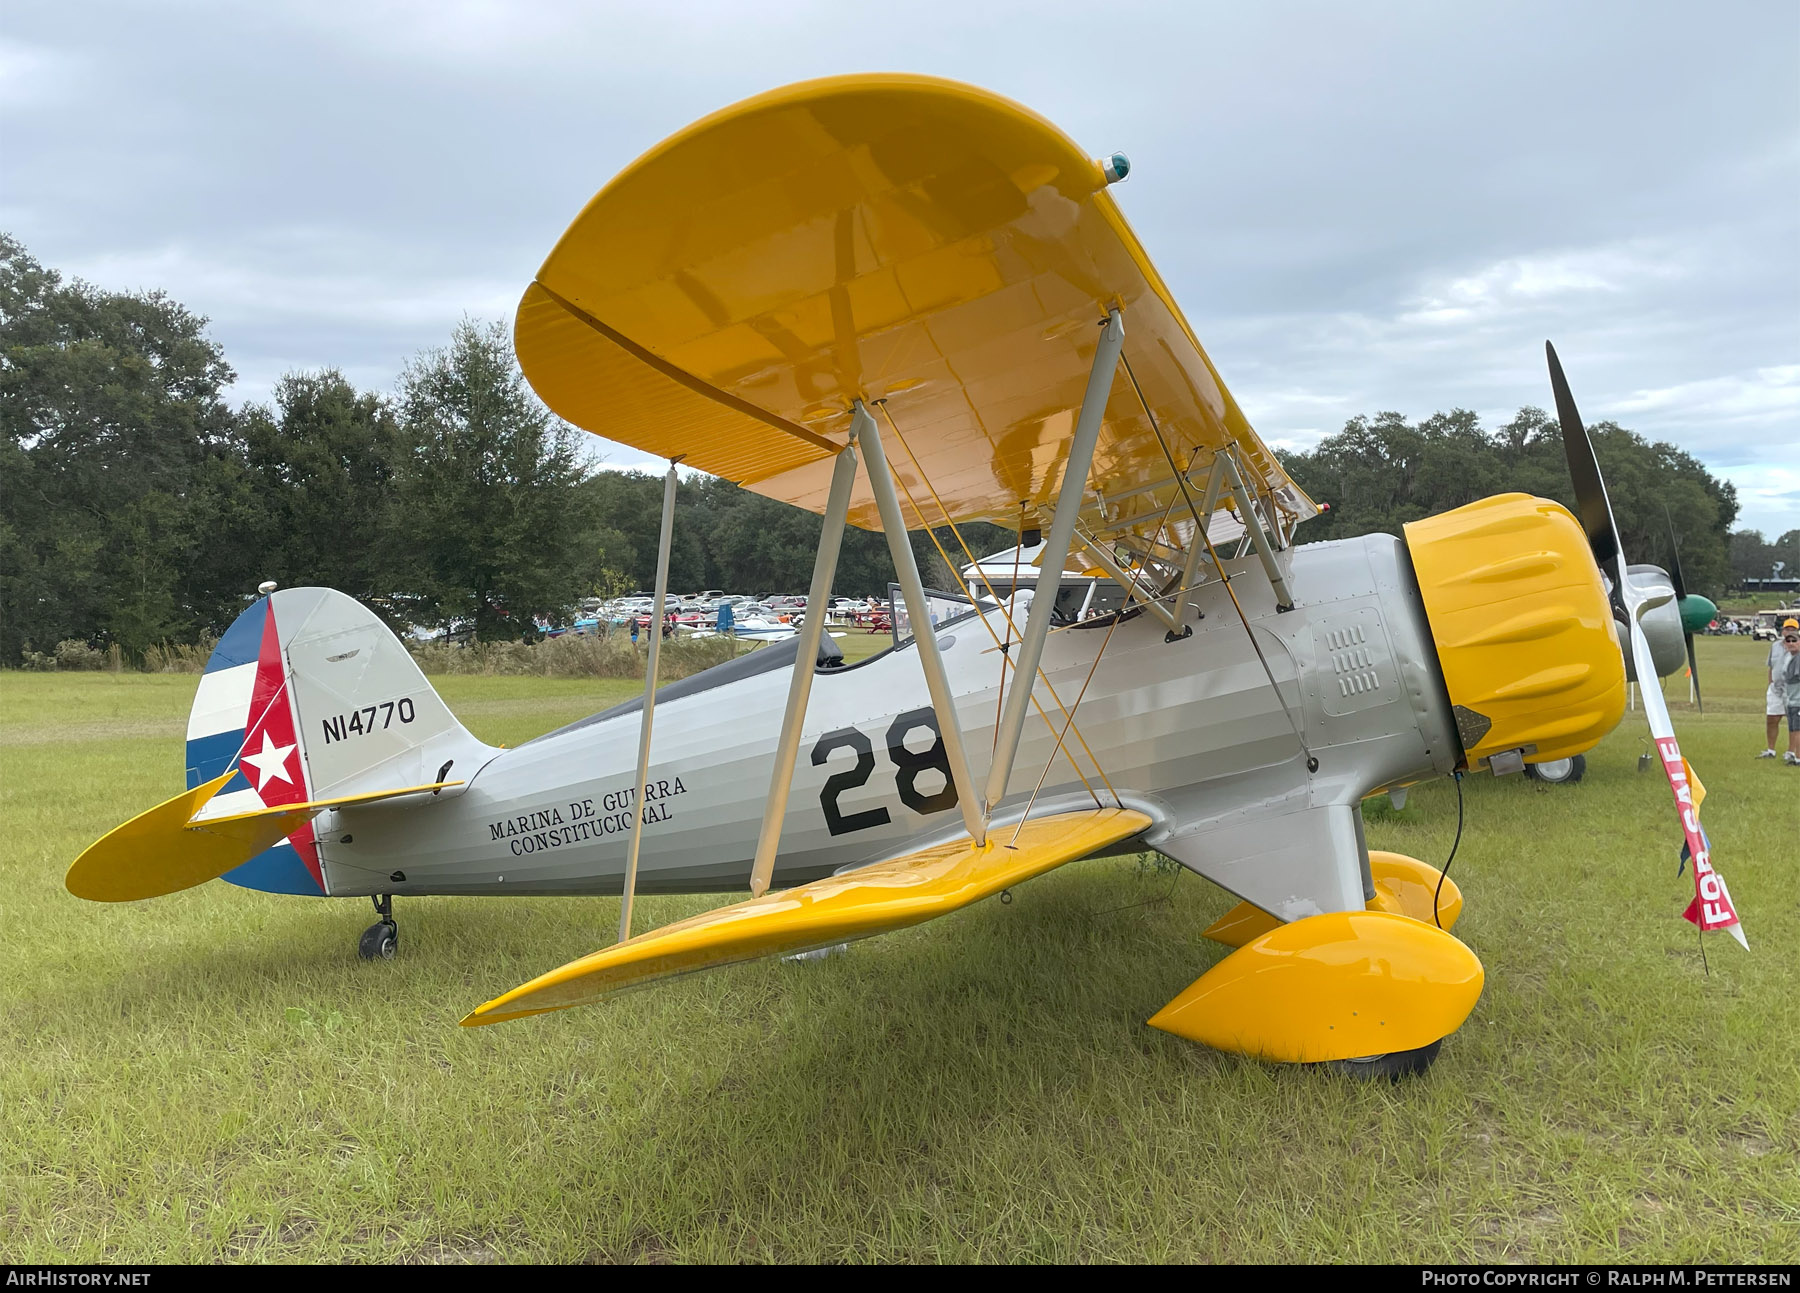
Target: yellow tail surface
[(176, 846)]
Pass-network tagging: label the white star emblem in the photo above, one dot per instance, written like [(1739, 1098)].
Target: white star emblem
[(271, 764)]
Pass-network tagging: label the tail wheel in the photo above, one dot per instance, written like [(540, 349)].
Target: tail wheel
[(379, 942), (1558, 772)]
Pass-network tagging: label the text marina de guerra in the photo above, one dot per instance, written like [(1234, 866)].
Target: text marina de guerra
[(584, 819)]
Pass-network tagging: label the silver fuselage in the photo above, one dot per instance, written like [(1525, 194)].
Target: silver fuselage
[(1189, 731)]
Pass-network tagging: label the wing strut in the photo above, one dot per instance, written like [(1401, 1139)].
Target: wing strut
[(1204, 536), (1215, 478), (643, 766), (1103, 557), (1002, 604), (1056, 554), (906, 570), (1259, 537), (812, 628)]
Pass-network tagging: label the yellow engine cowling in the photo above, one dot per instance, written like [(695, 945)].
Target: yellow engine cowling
[(1524, 634)]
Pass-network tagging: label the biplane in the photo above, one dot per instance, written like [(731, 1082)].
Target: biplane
[(905, 303)]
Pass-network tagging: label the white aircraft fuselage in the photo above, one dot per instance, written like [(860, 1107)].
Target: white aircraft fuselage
[(1189, 731)]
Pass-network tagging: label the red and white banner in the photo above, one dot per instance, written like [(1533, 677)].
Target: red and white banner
[(1711, 908)]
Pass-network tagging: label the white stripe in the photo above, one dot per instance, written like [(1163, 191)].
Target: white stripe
[(238, 801), (223, 702)]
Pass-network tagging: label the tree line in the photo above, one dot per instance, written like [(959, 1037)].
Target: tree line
[(1380, 473), (138, 507)]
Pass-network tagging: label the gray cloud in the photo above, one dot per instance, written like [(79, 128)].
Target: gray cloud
[(1360, 207)]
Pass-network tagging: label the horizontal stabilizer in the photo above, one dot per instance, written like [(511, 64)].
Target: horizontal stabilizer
[(872, 900), (205, 820), (176, 846), (156, 852)]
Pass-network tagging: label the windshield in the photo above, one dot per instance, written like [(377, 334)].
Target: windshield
[(1080, 600)]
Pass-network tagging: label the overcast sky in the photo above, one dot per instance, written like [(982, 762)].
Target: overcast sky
[(1361, 206)]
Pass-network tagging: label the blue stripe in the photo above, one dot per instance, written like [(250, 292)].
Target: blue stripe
[(276, 870), (208, 756), (242, 643)]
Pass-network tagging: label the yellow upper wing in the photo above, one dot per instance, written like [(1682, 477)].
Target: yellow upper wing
[(882, 237), (889, 895)]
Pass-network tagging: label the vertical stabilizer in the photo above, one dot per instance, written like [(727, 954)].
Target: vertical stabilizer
[(309, 696)]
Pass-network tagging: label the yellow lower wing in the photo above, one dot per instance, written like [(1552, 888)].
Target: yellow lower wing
[(873, 900)]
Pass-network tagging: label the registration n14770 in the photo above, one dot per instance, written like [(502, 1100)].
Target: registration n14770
[(370, 718)]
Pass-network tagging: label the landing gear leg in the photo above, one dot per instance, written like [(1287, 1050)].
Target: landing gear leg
[(382, 939)]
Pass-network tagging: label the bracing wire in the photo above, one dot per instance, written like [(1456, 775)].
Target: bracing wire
[(1131, 593), (1312, 763), (1050, 762), (1011, 596), (1180, 478), (1005, 612), (990, 630)]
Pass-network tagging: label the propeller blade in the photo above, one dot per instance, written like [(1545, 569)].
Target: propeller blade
[(1694, 673), (1674, 559), (1680, 597), (1591, 502), (1712, 907)]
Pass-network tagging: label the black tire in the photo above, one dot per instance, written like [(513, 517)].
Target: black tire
[(379, 942), (1392, 1066), (1558, 772)]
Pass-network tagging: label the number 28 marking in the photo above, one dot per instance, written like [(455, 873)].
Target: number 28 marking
[(908, 765)]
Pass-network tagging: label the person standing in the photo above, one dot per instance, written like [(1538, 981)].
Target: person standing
[(1790, 676), (1782, 699)]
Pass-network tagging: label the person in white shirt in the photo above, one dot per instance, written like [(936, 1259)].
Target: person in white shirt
[(1776, 707)]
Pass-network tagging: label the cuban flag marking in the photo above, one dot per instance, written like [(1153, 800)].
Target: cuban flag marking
[(243, 716)]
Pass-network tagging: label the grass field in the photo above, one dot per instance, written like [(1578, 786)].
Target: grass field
[(214, 1075)]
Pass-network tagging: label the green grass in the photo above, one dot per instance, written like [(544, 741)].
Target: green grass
[(215, 1075)]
